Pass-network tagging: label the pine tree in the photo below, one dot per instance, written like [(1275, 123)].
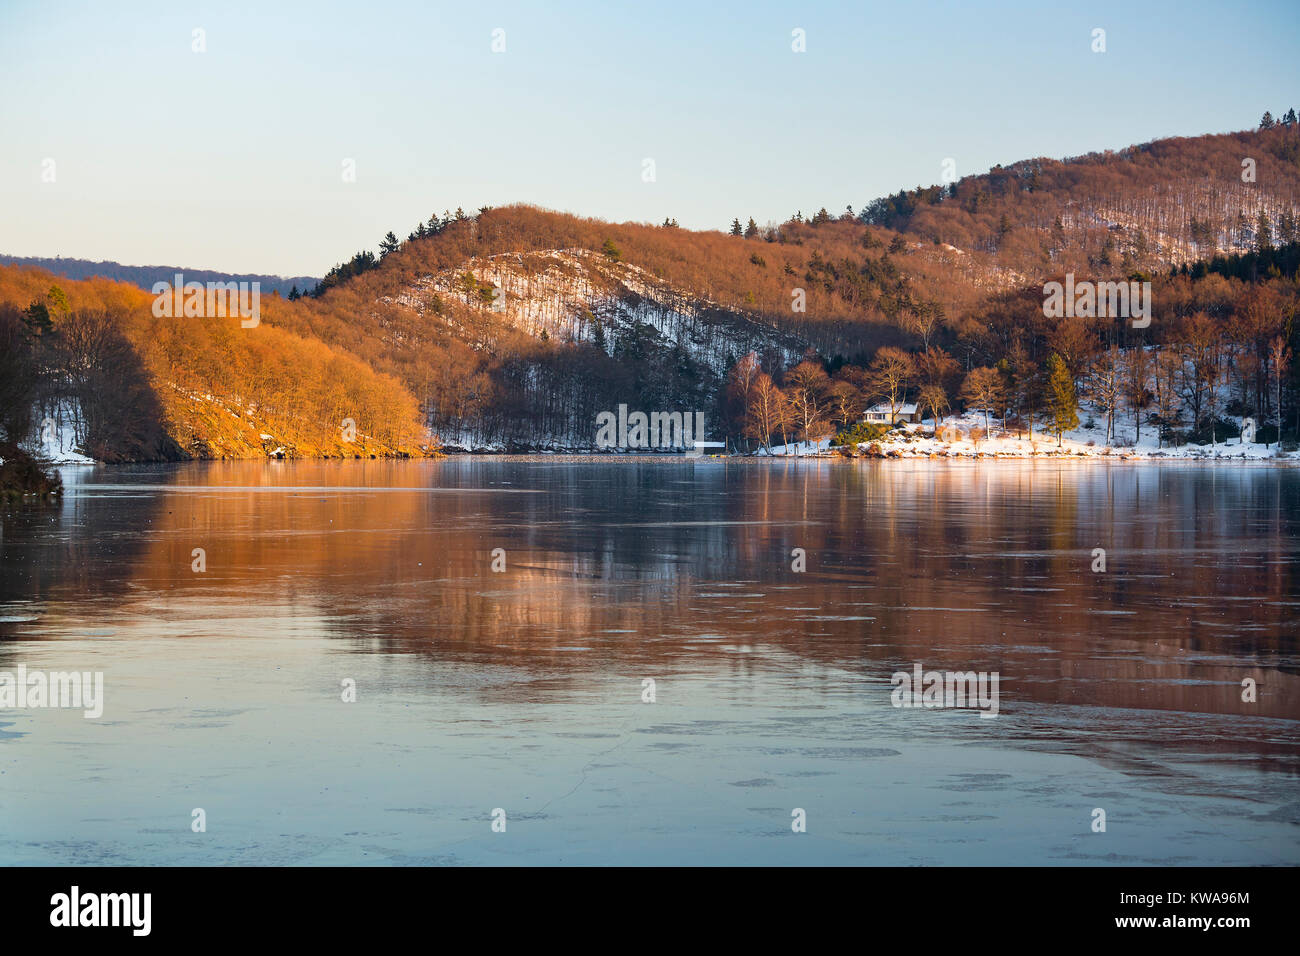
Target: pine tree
[(37, 317), (1263, 233), (1286, 227), (1267, 121), (751, 230), (1062, 402), (735, 226), (390, 244)]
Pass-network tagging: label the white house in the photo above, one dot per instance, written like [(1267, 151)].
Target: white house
[(902, 413)]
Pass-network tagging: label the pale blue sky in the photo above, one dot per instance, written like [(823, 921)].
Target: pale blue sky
[(231, 159)]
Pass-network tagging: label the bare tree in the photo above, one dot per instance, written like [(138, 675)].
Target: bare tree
[(1105, 383), (1280, 359), (766, 411), (935, 399), (845, 402), (982, 389), (1137, 394), (891, 372), (1168, 370), (805, 387)]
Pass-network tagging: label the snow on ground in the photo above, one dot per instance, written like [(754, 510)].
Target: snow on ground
[(799, 448), (964, 436), (960, 436), (56, 439), (557, 291)]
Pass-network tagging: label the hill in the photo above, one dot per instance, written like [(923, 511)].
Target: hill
[(146, 276), (92, 360), (1147, 207), (516, 327)]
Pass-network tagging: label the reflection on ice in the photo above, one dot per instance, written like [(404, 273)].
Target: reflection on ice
[(479, 689)]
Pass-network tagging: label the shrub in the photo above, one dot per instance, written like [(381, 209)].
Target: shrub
[(860, 432), (20, 475), (1224, 429)]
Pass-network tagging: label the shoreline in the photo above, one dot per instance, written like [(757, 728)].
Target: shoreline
[(580, 457)]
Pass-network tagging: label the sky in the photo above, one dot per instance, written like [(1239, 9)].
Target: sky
[(122, 140)]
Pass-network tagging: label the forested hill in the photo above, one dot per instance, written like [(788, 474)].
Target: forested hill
[(87, 364), (514, 327), (146, 276), (1145, 207)]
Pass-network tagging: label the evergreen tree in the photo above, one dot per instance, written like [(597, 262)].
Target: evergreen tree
[(1267, 121), (37, 318), (1263, 233), (58, 301), (735, 226), (294, 294), (751, 230), (1286, 228), (1062, 402), (389, 244)]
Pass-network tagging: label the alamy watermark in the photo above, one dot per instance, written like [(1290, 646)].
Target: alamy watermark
[(923, 688), (129, 910), (655, 430), (73, 689), (216, 300), (1088, 299)]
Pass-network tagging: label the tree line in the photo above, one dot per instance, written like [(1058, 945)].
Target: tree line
[(1219, 349)]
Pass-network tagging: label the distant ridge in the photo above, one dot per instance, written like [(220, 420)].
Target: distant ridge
[(146, 276)]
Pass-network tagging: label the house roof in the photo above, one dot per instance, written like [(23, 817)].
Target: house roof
[(907, 409)]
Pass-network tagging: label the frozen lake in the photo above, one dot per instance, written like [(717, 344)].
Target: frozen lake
[(525, 689)]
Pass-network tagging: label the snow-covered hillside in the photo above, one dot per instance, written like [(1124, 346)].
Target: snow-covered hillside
[(576, 295), (55, 437)]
